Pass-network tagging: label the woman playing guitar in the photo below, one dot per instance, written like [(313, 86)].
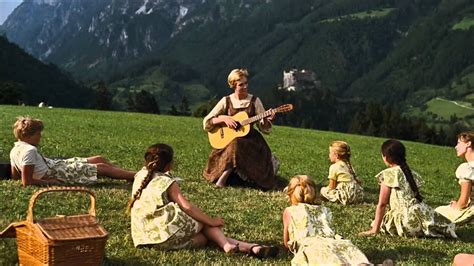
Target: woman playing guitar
[(248, 156)]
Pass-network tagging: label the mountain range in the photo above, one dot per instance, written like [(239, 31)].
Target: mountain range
[(400, 52)]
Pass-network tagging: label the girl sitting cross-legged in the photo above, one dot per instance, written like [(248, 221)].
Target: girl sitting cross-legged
[(408, 215), (163, 218), (307, 230), (33, 168), (344, 187)]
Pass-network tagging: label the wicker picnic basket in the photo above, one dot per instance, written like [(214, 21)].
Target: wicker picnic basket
[(64, 240)]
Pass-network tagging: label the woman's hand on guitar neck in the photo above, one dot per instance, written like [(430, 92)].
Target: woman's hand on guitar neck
[(272, 116), (231, 123)]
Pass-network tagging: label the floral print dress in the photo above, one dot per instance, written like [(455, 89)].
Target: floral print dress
[(347, 190), (464, 173), (157, 221), (313, 241), (406, 216)]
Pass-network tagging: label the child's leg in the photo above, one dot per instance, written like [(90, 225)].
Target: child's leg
[(97, 159), (216, 235), (114, 172)]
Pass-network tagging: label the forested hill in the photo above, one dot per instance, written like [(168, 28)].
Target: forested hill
[(408, 58), (438, 50), (24, 79), (358, 48)]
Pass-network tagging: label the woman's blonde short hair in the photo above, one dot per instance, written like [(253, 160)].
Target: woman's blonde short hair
[(26, 126), (301, 189), (235, 75)]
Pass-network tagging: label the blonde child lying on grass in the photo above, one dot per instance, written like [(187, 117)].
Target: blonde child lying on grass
[(33, 168)]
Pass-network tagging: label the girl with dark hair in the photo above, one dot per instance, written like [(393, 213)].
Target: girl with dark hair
[(408, 215), (461, 211), (163, 218)]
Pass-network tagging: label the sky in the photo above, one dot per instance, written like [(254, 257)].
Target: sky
[(6, 7)]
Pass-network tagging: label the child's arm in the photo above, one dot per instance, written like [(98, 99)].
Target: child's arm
[(384, 198), (286, 222), (27, 177), (463, 200), (15, 174), (332, 184), (175, 195)]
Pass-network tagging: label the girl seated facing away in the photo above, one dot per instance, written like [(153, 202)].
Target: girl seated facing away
[(407, 214), (461, 211), (161, 217), (35, 169), (344, 187), (307, 230)]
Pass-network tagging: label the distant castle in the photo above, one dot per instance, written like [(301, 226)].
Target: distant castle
[(295, 79)]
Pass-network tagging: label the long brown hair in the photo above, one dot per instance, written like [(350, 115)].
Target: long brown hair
[(157, 157), (394, 152)]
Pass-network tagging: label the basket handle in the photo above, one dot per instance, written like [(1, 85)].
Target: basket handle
[(29, 216)]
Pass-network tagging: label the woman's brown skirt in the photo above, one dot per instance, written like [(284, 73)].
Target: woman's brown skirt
[(249, 156)]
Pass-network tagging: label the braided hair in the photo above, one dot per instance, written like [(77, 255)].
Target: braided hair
[(157, 157), (394, 152), (343, 151), (301, 189)]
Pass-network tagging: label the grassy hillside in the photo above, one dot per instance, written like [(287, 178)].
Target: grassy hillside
[(249, 214)]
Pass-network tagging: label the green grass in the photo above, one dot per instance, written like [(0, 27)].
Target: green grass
[(465, 24), (379, 13), (249, 214), (445, 108)]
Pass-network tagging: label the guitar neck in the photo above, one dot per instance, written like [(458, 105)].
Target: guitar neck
[(257, 117)]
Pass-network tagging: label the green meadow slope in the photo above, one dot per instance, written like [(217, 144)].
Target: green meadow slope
[(249, 214)]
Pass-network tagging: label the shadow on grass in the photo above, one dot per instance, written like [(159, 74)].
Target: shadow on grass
[(371, 195), (402, 254), (465, 233), (110, 183), (117, 262), (235, 181)]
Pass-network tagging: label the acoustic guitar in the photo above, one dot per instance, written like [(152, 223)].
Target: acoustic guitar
[(221, 136)]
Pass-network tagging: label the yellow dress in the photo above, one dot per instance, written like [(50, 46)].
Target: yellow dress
[(157, 221), (347, 190), (405, 215), (464, 173), (313, 241)]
